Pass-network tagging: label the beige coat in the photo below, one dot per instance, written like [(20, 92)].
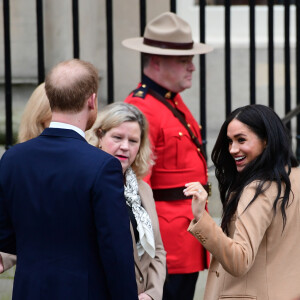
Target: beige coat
[(258, 260), (150, 272)]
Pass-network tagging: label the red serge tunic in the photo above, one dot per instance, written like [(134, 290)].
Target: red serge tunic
[(177, 162)]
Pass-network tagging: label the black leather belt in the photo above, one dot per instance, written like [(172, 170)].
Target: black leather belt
[(175, 193)]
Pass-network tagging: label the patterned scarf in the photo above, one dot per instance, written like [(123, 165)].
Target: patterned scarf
[(144, 225)]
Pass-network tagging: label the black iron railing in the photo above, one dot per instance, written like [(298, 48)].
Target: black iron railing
[(290, 113), (8, 84)]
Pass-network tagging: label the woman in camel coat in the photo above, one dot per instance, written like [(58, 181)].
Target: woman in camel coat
[(256, 252)]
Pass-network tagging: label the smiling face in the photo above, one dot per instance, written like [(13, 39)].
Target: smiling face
[(176, 72), (123, 142), (244, 144)]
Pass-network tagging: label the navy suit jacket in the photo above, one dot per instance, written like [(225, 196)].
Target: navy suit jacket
[(63, 212)]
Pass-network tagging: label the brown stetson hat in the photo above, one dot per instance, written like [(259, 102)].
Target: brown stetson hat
[(167, 34)]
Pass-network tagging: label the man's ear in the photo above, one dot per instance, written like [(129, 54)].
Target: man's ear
[(155, 61), (92, 101)]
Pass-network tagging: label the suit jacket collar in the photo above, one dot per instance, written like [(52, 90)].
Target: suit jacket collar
[(58, 132)]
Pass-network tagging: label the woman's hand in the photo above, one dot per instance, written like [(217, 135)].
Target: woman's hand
[(200, 195), (143, 296)]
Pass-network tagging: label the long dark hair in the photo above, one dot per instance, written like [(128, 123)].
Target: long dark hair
[(272, 165)]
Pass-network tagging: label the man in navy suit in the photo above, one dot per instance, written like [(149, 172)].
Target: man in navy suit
[(62, 207)]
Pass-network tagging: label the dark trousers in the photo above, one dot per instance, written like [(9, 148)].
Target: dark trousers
[(180, 286)]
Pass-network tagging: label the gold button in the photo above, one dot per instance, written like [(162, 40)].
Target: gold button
[(143, 85), (200, 126), (198, 149), (139, 94), (176, 103), (168, 95), (180, 133), (188, 125)]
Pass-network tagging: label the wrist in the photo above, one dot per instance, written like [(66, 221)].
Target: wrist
[(199, 216)]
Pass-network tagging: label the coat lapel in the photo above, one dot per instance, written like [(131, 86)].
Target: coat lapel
[(135, 254), (140, 262)]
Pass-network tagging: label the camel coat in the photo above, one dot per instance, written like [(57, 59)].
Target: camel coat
[(258, 260), (150, 272)]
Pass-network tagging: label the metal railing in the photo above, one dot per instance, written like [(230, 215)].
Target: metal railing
[(290, 113)]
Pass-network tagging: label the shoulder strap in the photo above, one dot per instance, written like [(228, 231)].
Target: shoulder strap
[(177, 114)]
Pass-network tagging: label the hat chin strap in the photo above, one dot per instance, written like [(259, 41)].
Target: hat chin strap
[(168, 45)]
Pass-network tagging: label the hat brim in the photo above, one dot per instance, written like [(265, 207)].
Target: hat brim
[(138, 45)]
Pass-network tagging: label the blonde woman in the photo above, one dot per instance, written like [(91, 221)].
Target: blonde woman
[(122, 131), (36, 116)]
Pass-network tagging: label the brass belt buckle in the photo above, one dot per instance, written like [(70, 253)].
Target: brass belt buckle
[(209, 188)]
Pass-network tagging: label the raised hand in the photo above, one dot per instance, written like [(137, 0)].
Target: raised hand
[(200, 196)]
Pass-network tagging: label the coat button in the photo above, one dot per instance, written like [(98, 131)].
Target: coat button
[(180, 133), (217, 274), (141, 279)]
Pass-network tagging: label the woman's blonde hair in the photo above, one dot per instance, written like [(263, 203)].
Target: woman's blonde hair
[(113, 115), (36, 113)]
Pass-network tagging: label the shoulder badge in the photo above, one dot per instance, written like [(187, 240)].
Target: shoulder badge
[(141, 92)]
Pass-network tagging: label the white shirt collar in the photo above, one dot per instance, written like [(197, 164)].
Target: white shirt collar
[(67, 126)]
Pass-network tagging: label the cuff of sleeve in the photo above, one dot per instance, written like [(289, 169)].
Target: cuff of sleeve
[(194, 223)]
